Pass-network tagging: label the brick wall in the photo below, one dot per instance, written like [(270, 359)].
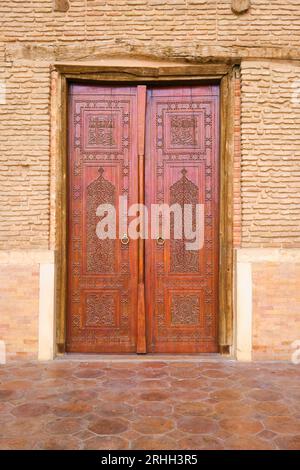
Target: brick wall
[(34, 36), (276, 307), (24, 157), (19, 299), (270, 155), (266, 177), (158, 22)]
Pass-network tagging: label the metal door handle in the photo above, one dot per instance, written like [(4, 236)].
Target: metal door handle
[(125, 239), (160, 241)]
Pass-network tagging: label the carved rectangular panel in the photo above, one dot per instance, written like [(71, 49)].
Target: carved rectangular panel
[(102, 309), (182, 167), (184, 308), (186, 187), (102, 273)]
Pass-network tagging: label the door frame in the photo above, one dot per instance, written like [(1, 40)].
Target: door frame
[(61, 75)]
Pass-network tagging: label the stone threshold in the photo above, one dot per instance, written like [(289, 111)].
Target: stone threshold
[(137, 358)]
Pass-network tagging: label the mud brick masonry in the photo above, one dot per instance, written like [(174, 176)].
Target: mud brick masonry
[(263, 37)]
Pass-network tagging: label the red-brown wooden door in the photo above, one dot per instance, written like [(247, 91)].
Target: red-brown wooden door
[(182, 168), (102, 273), (106, 143)]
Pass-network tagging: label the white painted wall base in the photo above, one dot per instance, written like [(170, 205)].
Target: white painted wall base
[(46, 313), (243, 311)]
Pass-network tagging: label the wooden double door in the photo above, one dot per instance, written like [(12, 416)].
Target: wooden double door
[(157, 146)]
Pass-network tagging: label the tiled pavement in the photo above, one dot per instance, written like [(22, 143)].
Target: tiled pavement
[(70, 404)]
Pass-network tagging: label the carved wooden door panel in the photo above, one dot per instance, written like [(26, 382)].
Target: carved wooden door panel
[(102, 273), (182, 146), (106, 278)]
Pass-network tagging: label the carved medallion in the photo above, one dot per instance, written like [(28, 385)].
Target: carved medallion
[(100, 310), (185, 309)]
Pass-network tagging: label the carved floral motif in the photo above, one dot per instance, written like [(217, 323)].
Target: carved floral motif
[(100, 310), (185, 309)]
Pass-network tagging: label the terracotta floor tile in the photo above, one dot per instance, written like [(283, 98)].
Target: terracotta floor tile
[(288, 442), (113, 409), (272, 408), (241, 427), (88, 373), (194, 409), (20, 443), (75, 404), (264, 395), (20, 428), (64, 426), (225, 395), (18, 385), (58, 443), (153, 384), (248, 443), (232, 408), (108, 426), (152, 365), (7, 394), (152, 373), (197, 425), (193, 395), (118, 384), (5, 408), (154, 443), (72, 409), (265, 434), (153, 425), (113, 395), (200, 443), (283, 424), (154, 396), (105, 443), (153, 409), (123, 373), (184, 372), (215, 374), (31, 410)]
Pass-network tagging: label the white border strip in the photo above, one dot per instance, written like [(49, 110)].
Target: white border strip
[(275, 255), (46, 349), (244, 312)]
